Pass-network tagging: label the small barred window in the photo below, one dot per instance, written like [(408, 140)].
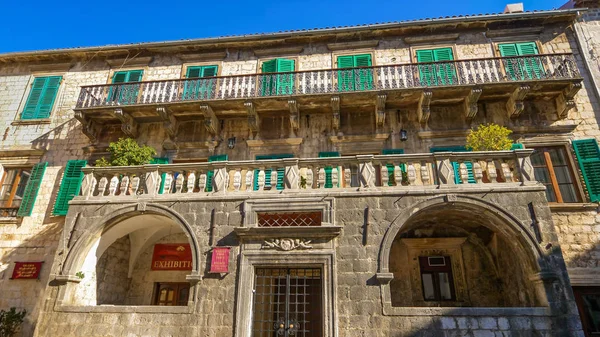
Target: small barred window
[(292, 219)]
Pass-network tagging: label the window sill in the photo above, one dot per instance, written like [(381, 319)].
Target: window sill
[(151, 309), (10, 220), (31, 121), (572, 207)]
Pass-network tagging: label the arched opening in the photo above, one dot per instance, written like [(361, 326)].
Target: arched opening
[(459, 254), (138, 259)]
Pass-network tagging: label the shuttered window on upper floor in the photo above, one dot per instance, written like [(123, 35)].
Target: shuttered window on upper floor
[(123, 93), (273, 84), (69, 186), (31, 189), (357, 79), (588, 156), (517, 66), (41, 97), (200, 83), (432, 74)]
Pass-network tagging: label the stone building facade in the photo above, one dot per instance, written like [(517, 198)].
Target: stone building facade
[(323, 170)]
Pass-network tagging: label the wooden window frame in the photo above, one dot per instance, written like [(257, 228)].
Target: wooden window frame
[(573, 170), (578, 291), (15, 184), (178, 286), (112, 72), (435, 271), (496, 45)]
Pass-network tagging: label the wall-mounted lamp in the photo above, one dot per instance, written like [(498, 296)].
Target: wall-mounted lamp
[(231, 142), (403, 135)]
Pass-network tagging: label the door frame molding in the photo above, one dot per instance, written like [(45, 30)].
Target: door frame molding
[(250, 260)]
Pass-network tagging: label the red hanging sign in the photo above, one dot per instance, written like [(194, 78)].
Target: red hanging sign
[(26, 270), (172, 256), (219, 262)]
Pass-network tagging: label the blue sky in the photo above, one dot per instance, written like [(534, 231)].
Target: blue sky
[(37, 24)]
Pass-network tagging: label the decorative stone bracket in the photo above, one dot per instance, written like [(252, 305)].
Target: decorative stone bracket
[(380, 110), (470, 105), (88, 127), (423, 108), (253, 118), (515, 104), (294, 114), (171, 126), (335, 107), (128, 124), (565, 102), (211, 122)]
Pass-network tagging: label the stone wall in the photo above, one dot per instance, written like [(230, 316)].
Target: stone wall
[(111, 273)]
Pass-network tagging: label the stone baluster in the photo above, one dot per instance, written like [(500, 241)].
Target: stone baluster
[(385, 176), (202, 182), (445, 170), (524, 166), (179, 183), (168, 182), (102, 186), (220, 179), (135, 185), (464, 173), (425, 176), (335, 177), (347, 177), (309, 178), (123, 189), (491, 171), (153, 180), (191, 181), (88, 186), (321, 179), (506, 172), (366, 171), (398, 174), (249, 180), (477, 172), (411, 173), (114, 184), (261, 180), (273, 179), (292, 174), (237, 180)]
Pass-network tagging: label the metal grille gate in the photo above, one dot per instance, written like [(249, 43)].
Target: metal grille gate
[(287, 302)]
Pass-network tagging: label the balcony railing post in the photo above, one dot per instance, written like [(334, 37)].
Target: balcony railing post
[(525, 167), (366, 171), (153, 181), (444, 168), (88, 186), (220, 178), (292, 174)]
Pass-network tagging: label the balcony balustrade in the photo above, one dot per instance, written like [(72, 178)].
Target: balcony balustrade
[(333, 81), (452, 170)]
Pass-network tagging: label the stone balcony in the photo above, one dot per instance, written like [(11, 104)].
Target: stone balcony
[(451, 172), (415, 86)]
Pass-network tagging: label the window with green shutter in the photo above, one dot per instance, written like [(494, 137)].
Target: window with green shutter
[(588, 156), (456, 165), (202, 82), (31, 189), (210, 174), (391, 167), (551, 166), (41, 97), (521, 68), (122, 93), (273, 84), (69, 186), (329, 169), (357, 78), (280, 171), (434, 73)]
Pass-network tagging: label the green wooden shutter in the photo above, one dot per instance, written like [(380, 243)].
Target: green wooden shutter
[(445, 73), (285, 82), (516, 146), (41, 97), (193, 72), (365, 76), (532, 68), (280, 171), (512, 68), (345, 77), (426, 73), (456, 165), (190, 89), (161, 189), (31, 189), (268, 86), (588, 156), (390, 167), (69, 186), (329, 169), (211, 174), (120, 77), (200, 87), (125, 94)]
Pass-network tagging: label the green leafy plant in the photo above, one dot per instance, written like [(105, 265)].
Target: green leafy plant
[(80, 274), (10, 321), (489, 137), (127, 152)]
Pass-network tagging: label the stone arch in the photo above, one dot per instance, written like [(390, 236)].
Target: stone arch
[(93, 233), (502, 219)]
